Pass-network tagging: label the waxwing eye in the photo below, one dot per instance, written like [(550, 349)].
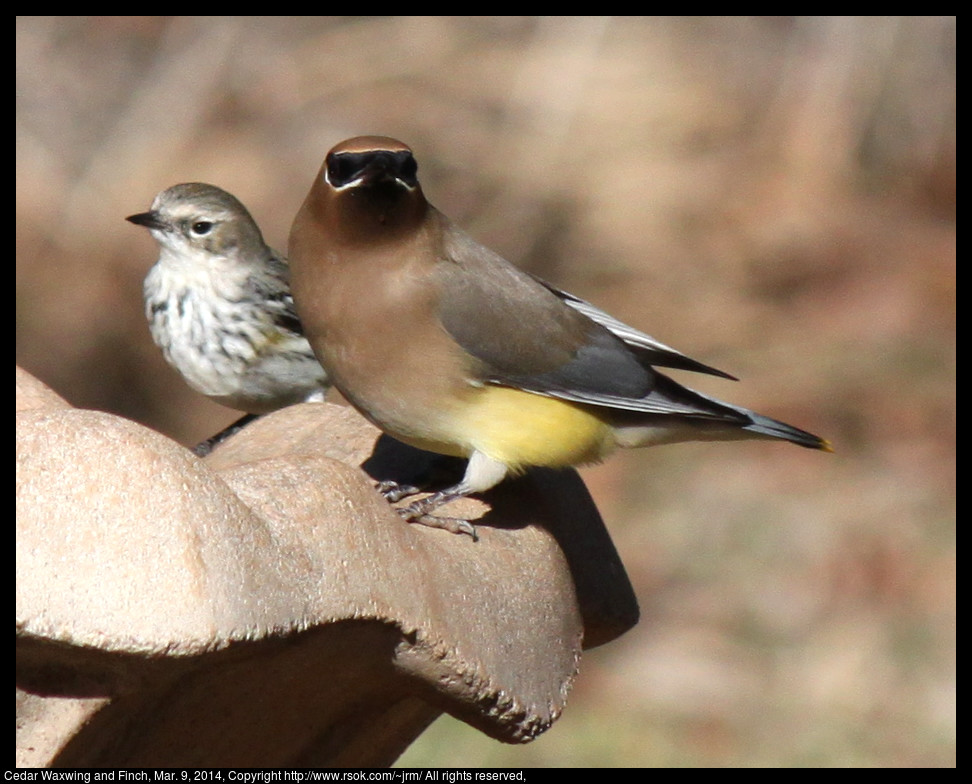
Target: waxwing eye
[(343, 168), (201, 228), (407, 168)]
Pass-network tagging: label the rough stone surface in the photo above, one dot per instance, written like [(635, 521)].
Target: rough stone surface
[(265, 606)]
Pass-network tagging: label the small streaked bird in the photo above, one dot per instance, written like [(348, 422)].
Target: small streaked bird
[(219, 306), (447, 346)]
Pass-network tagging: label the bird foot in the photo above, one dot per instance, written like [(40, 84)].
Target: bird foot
[(419, 512), (392, 491), (203, 448)]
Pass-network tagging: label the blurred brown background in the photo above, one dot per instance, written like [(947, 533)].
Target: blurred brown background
[(773, 196)]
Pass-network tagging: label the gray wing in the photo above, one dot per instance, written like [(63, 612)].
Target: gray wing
[(526, 334), (273, 286), (653, 351)]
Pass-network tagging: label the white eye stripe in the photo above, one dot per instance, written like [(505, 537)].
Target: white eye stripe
[(346, 185)]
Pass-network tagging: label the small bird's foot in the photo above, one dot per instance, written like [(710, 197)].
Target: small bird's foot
[(205, 447), (392, 491), (419, 512)]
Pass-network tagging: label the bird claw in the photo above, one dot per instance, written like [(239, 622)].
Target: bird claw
[(454, 525), (392, 491), (204, 448), (419, 512)]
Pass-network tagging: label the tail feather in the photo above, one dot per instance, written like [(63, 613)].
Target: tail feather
[(776, 429), (745, 419), (689, 412)]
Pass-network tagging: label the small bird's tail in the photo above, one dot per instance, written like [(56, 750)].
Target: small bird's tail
[(672, 413), (746, 420), (776, 429)]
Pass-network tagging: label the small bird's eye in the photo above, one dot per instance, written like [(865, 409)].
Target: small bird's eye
[(201, 227)]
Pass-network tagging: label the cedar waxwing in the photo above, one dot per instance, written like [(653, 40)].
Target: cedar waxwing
[(218, 304), (447, 346)]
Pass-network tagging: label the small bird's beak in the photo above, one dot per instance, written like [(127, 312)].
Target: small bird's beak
[(149, 220)]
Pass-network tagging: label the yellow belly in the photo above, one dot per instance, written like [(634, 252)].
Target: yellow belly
[(521, 429)]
